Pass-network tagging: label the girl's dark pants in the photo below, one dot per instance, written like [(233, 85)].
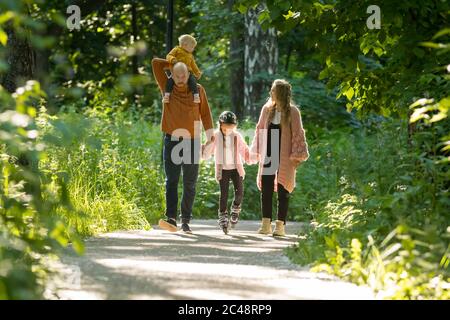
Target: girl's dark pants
[(232, 175)]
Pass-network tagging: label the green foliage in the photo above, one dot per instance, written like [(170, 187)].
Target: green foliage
[(112, 166), (355, 200), (30, 233), (380, 70), (215, 23)]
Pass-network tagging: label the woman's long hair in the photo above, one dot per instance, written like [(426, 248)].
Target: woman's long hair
[(283, 92)]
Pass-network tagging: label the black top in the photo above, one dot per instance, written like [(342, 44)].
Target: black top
[(273, 133)]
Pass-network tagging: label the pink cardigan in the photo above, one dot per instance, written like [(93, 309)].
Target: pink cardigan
[(241, 151), (293, 151)]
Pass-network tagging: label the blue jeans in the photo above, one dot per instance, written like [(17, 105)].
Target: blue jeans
[(172, 167)]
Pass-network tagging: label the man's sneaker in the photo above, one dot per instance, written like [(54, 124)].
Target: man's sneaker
[(185, 227), (169, 224)]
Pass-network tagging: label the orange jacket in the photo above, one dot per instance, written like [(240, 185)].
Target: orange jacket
[(181, 113)]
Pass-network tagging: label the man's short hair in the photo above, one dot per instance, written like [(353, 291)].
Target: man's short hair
[(187, 39)]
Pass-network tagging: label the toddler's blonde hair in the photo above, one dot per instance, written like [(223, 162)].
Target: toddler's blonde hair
[(187, 39)]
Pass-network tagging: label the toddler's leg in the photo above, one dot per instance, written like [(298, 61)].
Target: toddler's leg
[(192, 83), (168, 90)]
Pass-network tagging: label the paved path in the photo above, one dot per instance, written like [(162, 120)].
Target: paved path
[(207, 264)]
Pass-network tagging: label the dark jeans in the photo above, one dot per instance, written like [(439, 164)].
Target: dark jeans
[(268, 178), (224, 186), (192, 84), (173, 170)]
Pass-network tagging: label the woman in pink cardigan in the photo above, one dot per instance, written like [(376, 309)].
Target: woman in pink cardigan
[(280, 146)]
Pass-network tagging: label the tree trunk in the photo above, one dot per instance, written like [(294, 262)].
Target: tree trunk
[(237, 63), (134, 36), (21, 61), (261, 58)]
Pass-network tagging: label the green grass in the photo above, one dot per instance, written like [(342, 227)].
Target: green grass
[(113, 176)]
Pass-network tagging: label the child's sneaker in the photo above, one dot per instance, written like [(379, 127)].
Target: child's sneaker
[(166, 97), (196, 98), (235, 211), (223, 221), (169, 224)]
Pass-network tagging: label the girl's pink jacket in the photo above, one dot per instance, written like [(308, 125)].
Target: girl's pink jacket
[(216, 148)]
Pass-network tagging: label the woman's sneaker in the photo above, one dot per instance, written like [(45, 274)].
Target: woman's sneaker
[(169, 224)]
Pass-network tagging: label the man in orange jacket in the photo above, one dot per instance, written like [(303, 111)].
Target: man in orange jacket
[(181, 123)]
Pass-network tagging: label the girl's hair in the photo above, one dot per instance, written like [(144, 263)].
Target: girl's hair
[(187, 39), (219, 124), (283, 92)]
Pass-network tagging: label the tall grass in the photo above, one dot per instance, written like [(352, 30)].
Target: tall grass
[(111, 167)]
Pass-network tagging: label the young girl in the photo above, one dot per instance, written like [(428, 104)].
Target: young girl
[(280, 145), (229, 149)]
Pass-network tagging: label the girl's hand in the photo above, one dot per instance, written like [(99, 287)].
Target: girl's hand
[(209, 141)]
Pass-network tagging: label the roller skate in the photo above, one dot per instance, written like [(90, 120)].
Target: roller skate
[(223, 221)]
